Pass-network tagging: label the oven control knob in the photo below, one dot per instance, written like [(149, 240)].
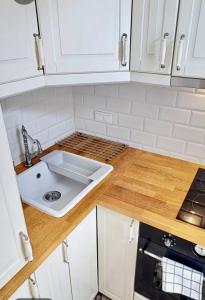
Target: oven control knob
[(169, 241)]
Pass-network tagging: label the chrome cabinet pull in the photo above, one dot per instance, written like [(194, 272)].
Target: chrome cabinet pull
[(26, 246), (39, 51), (164, 50), (180, 52), (131, 231), (123, 49), (65, 252)]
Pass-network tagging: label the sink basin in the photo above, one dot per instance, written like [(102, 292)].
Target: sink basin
[(60, 181)]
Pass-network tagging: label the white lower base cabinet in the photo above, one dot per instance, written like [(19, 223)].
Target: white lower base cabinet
[(117, 249), (82, 255), (22, 292), (53, 277), (70, 272), (28, 290)]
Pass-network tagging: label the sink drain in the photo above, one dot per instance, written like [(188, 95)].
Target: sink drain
[(52, 196)]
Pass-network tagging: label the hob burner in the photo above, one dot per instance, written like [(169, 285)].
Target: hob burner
[(193, 207)]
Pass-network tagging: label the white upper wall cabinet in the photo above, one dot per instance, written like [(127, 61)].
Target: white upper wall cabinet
[(153, 34), (18, 23), (189, 58), (12, 221), (85, 36)]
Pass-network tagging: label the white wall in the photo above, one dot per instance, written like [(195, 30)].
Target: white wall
[(47, 114), (164, 120)]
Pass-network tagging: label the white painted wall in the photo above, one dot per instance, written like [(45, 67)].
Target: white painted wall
[(47, 114), (163, 120)]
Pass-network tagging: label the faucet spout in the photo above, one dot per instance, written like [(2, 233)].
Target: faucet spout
[(28, 155)]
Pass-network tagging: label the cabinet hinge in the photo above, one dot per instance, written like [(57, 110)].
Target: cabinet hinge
[(28, 253), (65, 252), (39, 51)]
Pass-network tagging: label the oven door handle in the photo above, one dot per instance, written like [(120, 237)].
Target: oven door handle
[(150, 254)]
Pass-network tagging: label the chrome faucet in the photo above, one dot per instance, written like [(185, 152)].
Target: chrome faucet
[(28, 154)]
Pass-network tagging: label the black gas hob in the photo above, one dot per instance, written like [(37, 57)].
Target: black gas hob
[(193, 207)]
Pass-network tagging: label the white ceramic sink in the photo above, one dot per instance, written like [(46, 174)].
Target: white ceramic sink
[(60, 181)]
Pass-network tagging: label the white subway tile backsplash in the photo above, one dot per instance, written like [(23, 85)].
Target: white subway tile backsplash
[(198, 119), (12, 119), (84, 90), (145, 110), (171, 144), (79, 124), (119, 105), (78, 99), (132, 92), (174, 115), (48, 115), (130, 121), (144, 138), (188, 133), (106, 90), (196, 150), (95, 102), (191, 101), (84, 112), (158, 127), (161, 96), (158, 119), (96, 127), (118, 132)]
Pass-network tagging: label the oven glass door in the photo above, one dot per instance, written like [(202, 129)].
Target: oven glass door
[(148, 276)]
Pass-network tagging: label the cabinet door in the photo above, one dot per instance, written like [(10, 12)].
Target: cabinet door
[(117, 249), (84, 36), (53, 277), (189, 58), (22, 292), (153, 34), (18, 23), (11, 214), (82, 249)]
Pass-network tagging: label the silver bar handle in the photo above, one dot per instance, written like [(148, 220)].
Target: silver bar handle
[(123, 49), (180, 52), (39, 51), (28, 253), (131, 231), (164, 50), (150, 254), (65, 252), (33, 288)]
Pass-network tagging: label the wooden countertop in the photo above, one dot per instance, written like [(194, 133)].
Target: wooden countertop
[(145, 186)]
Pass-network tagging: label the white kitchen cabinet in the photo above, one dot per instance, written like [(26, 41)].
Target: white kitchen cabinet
[(12, 223), (53, 277), (117, 249), (28, 290), (22, 292), (82, 255), (189, 57), (18, 58), (85, 36), (153, 35)]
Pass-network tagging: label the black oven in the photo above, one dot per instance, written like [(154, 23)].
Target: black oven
[(154, 244)]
